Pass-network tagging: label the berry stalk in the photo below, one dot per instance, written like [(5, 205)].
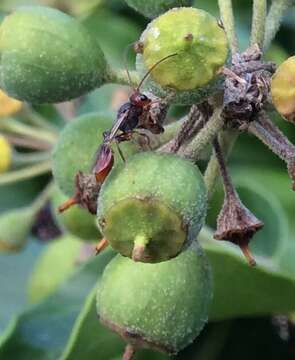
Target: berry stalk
[(274, 18), (227, 18), (258, 22)]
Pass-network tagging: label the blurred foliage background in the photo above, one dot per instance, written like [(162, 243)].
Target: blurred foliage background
[(252, 313)]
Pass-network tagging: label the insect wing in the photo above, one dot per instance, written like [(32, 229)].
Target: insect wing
[(104, 163), (121, 118)]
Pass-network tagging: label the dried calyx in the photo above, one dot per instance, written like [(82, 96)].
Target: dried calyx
[(247, 86), (235, 222), (87, 190)]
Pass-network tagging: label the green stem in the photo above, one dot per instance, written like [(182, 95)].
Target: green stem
[(120, 76), (29, 158), (140, 243), (43, 197), (205, 135), (227, 140), (37, 120), (258, 22), (160, 142), (274, 18), (26, 173), (17, 127), (227, 18)]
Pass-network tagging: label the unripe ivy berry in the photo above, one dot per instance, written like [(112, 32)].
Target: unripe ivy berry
[(153, 8), (48, 56), (76, 220), (15, 226), (5, 154), (283, 89), (160, 306), (77, 146), (8, 105), (152, 207), (197, 39)]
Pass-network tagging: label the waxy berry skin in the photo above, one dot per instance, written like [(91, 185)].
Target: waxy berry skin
[(197, 39), (48, 56), (160, 306), (283, 89), (155, 203)]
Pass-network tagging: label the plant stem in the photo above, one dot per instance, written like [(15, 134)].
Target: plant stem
[(227, 18), (229, 189), (258, 22), (162, 141), (17, 127), (119, 76), (194, 122), (29, 158), (28, 143), (205, 135), (129, 352), (227, 140), (26, 173), (43, 197), (37, 120), (274, 19)]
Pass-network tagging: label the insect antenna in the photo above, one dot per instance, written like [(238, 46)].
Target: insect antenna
[(153, 67), (126, 65)]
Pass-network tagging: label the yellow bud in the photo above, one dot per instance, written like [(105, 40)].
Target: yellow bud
[(8, 105), (5, 154)]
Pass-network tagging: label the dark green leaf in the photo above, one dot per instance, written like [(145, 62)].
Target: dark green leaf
[(42, 331), (242, 290)]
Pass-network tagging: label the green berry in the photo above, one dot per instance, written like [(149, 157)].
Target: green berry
[(153, 8), (15, 226), (197, 39), (283, 89), (152, 207), (76, 220), (160, 306), (48, 56), (54, 265), (77, 146)]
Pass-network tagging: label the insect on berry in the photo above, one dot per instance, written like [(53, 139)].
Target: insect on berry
[(135, 114)]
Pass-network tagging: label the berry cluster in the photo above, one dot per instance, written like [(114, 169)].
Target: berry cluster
[(129, 184)]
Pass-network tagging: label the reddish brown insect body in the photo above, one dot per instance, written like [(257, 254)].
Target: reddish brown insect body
[(134, 114)]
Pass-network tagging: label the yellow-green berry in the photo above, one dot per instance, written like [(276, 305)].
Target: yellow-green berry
[(283, 89), (153, 8), (5, 154), (197, 39)]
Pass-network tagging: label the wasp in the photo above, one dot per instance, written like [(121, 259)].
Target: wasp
[(138, 113)]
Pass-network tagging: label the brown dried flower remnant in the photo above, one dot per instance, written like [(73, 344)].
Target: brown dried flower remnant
[(87, 190), (235, 222)]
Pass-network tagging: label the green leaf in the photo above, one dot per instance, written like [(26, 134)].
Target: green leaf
[(15, 269), (114, 33), (23, 193), (42, 331), (54, 266), (242, 290)]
